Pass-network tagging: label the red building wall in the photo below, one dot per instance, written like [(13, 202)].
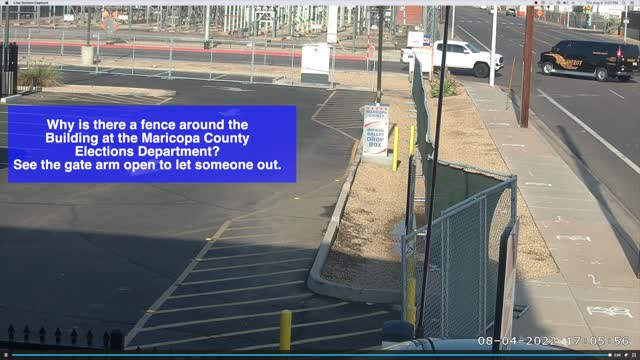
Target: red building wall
[(413, 15)]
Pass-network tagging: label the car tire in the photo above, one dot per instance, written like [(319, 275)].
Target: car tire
[(602, 74), (547, 68), (624, 78), (481, 70)]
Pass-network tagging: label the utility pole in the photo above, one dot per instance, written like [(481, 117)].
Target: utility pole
[(526, 69), (88, 26), (626, 21), (492, 66), (453, 23), (380, 33), (5, 49), (207, 23)]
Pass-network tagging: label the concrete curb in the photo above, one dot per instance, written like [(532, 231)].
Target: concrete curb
[(321, 286), (109, 90), (9, 99)]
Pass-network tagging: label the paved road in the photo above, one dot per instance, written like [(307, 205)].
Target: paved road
[(610, 109), (99, 256)]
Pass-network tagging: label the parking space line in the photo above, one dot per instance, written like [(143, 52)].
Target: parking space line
[(253, 331), (616, 94), (164, 101), (305, 341), (167, 293), (248, 255), (250, 265), (236, 317), (247, 236), (236, 290), (248, 227), (241, 277), (281, 241), (234, 303)]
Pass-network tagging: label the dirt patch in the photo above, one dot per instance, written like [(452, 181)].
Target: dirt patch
[(364, 253)]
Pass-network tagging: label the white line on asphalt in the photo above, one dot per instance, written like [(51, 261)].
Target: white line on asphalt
[(604, 142), (234, 303), (305, 341), (249, 255), (249, 227), (252, 264), (253, 331), (246, 236), (242, 277), (616, 94), (167, 293), (280, 241), (236, 290), (473, 37), (236, 317)]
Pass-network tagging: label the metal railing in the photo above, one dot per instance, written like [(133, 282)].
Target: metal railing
[(62, 340), (578, 21), (461, 289)]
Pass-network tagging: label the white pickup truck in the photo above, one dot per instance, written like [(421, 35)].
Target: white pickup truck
[(460, 55)]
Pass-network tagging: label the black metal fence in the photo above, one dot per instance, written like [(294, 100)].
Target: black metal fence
[(9, 66), (59, 340)]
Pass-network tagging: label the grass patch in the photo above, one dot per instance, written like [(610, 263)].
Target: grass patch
[(40, 75)]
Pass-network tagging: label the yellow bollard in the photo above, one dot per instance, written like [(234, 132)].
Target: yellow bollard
[(395, 149), (285, 330), (411, 315), (412, 139), (411, 300)]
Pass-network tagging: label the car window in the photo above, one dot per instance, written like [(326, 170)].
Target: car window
[(630, 51), (439, 47), (472, 48), (455, 48)]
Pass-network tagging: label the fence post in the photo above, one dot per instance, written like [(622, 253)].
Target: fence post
[(514, 198), (133, 54), (62, 49), (210, 60), (395, 148), (333, 68), (293, 55), (29, 49), (97, 59), (253, 58), (170, 57), (264, 57)]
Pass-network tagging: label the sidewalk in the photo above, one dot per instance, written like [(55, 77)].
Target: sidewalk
[(596, 293)]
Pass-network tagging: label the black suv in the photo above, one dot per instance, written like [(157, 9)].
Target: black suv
[(600, 60)]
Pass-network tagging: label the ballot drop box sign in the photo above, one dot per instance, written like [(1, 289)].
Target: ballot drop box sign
[(376, 130)]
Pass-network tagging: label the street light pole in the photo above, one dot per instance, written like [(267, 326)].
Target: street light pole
[(453, 23), (380, 33)]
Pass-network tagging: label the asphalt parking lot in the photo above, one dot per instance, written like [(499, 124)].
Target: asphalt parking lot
[(107, 256)]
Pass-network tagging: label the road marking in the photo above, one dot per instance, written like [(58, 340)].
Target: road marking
[(574, 237), (252, 264), (280, 241), (473, 37), (604, 142), (516, 145), (538, 184), (234, 304), (167, 293), (246, 332), (611, 311), (236, 290), (249, 227), (593, 279), (616, 94), (305, 341), (499, 124), (248, 316), (313, 118), (241, 277), (247, 236), (248, 255)]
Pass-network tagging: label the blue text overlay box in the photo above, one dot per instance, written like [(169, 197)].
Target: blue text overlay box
[(152, 144)]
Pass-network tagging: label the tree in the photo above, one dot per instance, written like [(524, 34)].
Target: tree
[(578, 9)]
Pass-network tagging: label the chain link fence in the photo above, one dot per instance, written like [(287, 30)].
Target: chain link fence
[(472, 209), (250, 61), (580, 21)]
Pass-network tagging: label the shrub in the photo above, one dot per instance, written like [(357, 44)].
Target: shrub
[(39, 75), (450, 87)]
